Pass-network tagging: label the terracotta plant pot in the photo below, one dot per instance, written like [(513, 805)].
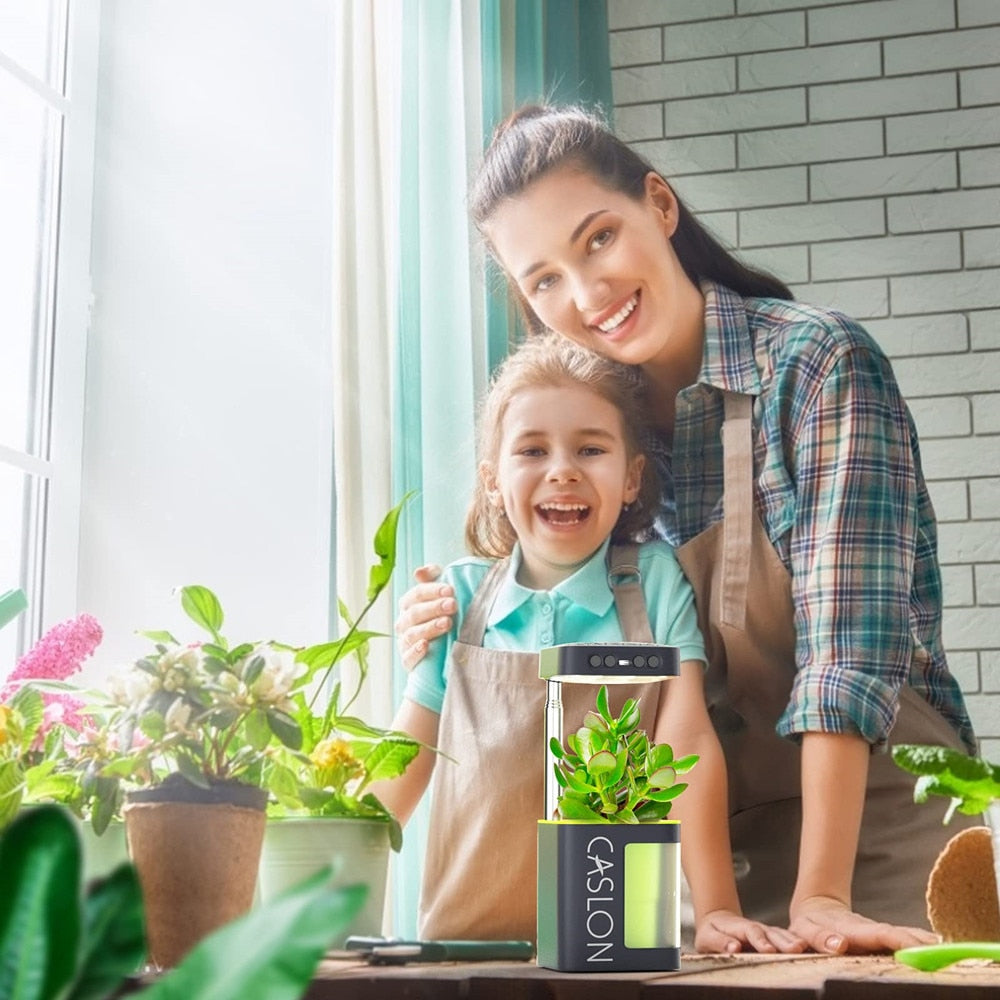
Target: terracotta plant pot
[(196, 852), (358, 849)]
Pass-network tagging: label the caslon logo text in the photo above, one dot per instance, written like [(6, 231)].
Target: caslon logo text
[(600, 890)]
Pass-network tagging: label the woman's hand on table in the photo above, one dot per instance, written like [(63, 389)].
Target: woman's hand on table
[(425, 612), (725, 932), (831, 927)]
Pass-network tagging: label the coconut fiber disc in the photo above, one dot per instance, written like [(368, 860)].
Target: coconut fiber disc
[(962, 889)]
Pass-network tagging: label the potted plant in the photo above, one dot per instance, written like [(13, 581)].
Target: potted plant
[(972, 784), (59, 939), (184, 745), (609, 863), (323, 811)]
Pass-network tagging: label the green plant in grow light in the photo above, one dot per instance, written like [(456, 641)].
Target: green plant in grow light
[(609, 772)]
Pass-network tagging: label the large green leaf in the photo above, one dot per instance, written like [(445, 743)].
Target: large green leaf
[(390, 758), (972, 781), (203, 608), (385, 550), (39, 904), (325, 654), (114, 940), (271, 953)]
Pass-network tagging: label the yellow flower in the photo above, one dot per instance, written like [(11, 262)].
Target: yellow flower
[(6, 716), (333, 753)]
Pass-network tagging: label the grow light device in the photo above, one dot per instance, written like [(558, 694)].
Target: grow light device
[(608, 894)]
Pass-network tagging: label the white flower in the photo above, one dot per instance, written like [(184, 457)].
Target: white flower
[(177, 716), (131, 687), (279, 674)]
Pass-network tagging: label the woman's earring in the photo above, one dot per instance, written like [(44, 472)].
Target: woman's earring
[(626, 507)]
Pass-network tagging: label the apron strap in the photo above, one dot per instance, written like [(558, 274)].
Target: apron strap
[(737, 448), (474, 624), (625, 582)]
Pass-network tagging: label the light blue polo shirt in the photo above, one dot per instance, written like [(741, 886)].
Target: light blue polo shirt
[(579, 609)]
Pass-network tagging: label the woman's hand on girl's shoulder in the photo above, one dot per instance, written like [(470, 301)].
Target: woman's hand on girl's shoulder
[(725, 932), (425, 612)]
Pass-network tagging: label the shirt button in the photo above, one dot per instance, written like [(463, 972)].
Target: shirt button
[(546, 637), (546, 609)]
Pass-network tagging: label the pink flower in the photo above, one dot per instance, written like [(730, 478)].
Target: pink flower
[(62, 709), (59, 652)]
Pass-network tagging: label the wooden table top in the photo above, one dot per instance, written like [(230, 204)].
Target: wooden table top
[(701, 977)]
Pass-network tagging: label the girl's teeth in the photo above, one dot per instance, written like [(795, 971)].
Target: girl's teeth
[(619, 317)]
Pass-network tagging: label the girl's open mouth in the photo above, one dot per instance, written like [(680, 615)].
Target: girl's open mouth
[(563, 513)]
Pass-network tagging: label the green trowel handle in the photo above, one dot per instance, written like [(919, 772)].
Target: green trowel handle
[(929, 957)]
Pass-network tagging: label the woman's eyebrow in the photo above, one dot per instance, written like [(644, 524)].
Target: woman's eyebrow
[(573, 236)]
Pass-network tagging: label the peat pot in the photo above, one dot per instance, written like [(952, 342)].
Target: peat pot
[(196, 852), (609, 896), (358, 849)]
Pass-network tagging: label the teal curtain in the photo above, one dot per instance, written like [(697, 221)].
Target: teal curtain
[(464, 66), (554, 51)]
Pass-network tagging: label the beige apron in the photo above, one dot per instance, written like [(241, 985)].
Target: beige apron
[(479, 870), (748, 625)]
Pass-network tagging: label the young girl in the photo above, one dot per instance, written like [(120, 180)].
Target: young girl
[(795, 500), (563, 492)]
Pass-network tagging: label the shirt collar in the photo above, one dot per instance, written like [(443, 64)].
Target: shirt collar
[(728, 361), (587, 588)]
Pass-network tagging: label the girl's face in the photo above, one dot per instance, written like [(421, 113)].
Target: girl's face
[(597, 266), (561, 477)]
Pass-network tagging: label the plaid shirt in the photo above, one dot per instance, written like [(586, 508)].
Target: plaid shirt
[(841, 495)]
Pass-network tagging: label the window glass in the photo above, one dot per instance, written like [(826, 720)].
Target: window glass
[(13, 530), (31, 33), (28, 159)]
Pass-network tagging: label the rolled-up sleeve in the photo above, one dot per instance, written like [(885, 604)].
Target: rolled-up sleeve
[(852, 463)]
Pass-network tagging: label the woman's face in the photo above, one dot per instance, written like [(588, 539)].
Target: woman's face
[(598, 267)]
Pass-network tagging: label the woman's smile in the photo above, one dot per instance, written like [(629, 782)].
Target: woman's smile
[(598, 267)]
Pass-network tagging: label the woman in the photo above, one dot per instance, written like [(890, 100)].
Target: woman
[(795, 498)]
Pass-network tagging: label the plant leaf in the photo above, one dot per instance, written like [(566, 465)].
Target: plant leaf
[(114, 940), (159, 636), (11, 790), (973, 781), (285, 728), (629, 718), (602, 704), (203, 608), (592, 720), (191, 771), (39, 919), (570, 808), (390, 758), (326, 654), (603, 762), (256, 729), (385, 549), (685, 764), (271, 953), (663, 777), (27, 702), (660, 755)]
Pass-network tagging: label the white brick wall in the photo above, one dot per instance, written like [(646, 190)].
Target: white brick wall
[(854, 149)]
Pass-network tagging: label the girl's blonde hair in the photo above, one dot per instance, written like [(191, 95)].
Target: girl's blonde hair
[(551, 360)]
